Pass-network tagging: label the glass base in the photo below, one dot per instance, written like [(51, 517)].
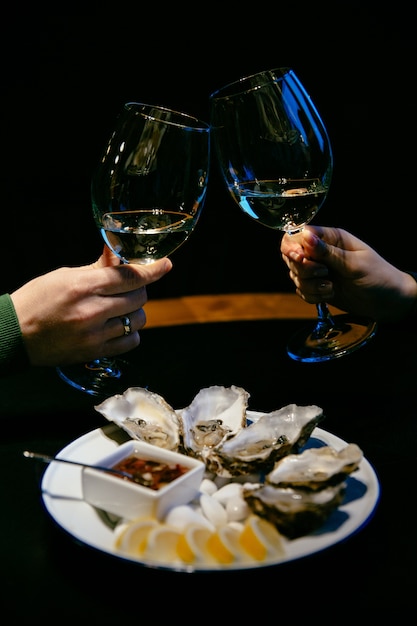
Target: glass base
[(343, 335), (101, 377)]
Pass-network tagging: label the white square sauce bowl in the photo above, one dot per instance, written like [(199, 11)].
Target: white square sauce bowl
[(128, 499)]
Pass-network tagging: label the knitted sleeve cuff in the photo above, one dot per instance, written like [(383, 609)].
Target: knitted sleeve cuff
[(13, 355)]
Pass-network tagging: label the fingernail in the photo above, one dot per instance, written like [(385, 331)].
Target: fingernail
[(295, 256), (311, 238)]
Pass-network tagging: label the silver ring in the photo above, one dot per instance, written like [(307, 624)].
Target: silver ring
[(127, 325)]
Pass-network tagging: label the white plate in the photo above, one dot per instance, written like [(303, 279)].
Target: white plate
[(62, 496)]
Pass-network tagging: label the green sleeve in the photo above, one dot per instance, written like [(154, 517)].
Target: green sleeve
[(13, 356)]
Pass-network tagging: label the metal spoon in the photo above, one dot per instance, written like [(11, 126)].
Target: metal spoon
[(49, 459)]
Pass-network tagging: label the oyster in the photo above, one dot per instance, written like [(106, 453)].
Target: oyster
[(295, 512), (215, 414), (258, 446), (315, 468), (144, 415), (303, 489)]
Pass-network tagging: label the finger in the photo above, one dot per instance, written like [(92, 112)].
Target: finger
[(115, 306), (122, 341), (309, 298), (107, 259), (128, 277), (286, 260), (307, 269), (301, 260), (329, 241), (126, 324), (153, 271), (314, 290), (291, 246), (121, 345)]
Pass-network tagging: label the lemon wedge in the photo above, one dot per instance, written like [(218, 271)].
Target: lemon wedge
[(192, 544), (162, 543), (134, 537), (260, 539), (223, 545)]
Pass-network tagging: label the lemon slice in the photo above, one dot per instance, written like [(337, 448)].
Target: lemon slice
[(223, 545), (162, 543), (192, 544), (260, 539), (133, 538)]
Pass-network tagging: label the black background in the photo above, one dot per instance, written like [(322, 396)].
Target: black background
[(67, 70)]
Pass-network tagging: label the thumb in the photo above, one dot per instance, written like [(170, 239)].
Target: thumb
[(317, 246)]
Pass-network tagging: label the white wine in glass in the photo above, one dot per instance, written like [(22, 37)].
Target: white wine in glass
[(148, 192), (276, 159)]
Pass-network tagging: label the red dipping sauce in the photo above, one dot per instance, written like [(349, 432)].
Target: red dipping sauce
[(149, 473)]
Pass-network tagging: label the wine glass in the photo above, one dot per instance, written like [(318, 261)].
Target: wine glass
[(276, 160), (147, 193)]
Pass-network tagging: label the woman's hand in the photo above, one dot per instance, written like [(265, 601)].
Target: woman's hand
[(332, 265)]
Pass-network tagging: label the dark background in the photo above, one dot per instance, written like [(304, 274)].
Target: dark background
[(68, 69), (65, 73)]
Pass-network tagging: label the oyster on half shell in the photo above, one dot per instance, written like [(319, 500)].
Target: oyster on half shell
[(315, 468), (303, 489), (295, 512), (215, 414), (144, 415), (258, 446)]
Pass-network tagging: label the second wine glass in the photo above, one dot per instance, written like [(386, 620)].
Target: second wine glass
[(147, 192), (276, 160)]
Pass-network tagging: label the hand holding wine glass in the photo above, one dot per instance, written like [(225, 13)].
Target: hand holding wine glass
[(276, 160), (148, 192)]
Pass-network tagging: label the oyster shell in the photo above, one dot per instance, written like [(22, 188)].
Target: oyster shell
[(315, 468), (144, 415), (295, 512), (303, 489), (258, 446), (215, 414)]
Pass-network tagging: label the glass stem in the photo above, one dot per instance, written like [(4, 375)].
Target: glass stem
[(324, 323)]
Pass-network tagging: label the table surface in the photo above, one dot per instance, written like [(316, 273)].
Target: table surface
[(367, 397)]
